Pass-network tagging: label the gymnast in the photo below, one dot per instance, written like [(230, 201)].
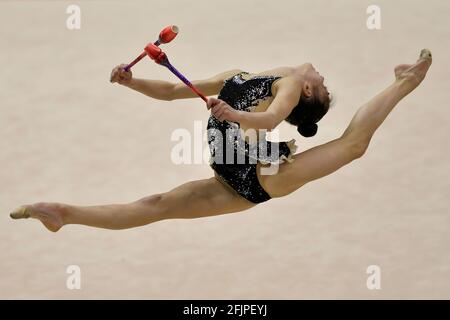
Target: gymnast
[(258, 101)]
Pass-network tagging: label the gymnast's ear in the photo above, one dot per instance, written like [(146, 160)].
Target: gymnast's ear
[(307, 89)]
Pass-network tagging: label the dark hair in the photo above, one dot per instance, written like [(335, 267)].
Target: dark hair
[(307, 113)]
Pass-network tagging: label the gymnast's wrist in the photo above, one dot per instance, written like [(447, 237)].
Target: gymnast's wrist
[(130, 83), (239, 116)]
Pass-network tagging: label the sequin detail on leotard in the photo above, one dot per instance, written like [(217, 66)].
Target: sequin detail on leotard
[(235, 159)]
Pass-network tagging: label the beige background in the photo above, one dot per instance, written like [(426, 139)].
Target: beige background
[(68, 135)]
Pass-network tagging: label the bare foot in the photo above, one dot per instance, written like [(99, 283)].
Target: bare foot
[(50, 214), (401, 68), (413, 74)]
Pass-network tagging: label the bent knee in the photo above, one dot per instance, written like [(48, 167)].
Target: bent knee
[(359, 149), (154, 204), (356, 146), (151, 200)]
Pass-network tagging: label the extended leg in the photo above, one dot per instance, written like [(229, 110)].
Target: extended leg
[(194, 199), (327, 158)]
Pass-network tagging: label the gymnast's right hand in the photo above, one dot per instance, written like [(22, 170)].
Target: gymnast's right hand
[(120, 75)]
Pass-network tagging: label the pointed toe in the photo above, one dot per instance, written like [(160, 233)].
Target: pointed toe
[(20, 213)]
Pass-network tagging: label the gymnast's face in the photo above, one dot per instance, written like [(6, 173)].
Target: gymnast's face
[(314, 83)]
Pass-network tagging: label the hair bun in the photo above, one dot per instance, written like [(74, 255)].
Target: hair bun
[(307, 130)]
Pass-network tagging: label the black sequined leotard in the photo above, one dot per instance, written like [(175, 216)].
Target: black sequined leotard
[(235, 158)]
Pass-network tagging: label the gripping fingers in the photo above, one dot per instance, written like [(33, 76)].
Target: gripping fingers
[(218, 111), (212, 102), (114, 75), (118, 74)]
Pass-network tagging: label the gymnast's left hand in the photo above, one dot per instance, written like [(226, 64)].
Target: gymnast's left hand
[(222, 111)]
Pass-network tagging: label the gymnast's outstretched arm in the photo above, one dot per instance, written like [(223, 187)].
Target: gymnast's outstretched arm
[(165, 90)]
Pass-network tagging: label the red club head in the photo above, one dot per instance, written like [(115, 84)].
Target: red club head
[(155, 53), (168, 34), (152, 51)]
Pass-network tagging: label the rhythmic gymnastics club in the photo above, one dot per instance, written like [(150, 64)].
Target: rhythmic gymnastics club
[(165, 36), (157, 55)]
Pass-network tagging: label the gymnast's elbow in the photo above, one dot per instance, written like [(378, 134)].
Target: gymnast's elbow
[(271, 123), (166, 95), (166, 98), (167, 92)]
